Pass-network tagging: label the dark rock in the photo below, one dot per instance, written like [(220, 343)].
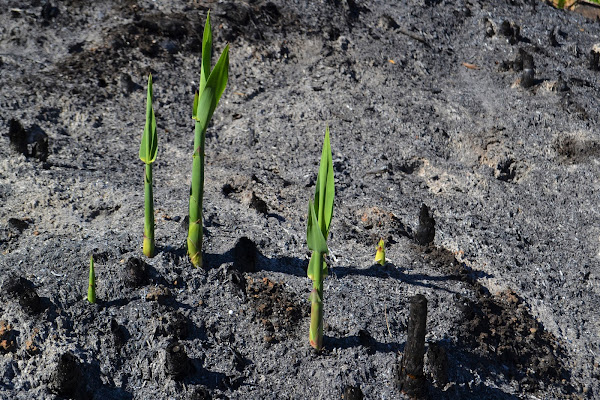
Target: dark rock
[(387, 23), (135, 273), (552, 38), (175, 325), (67, 376), (49, 11), (561, 85), (177, 363), (425, 232), (594, 59), (17, 226), (244, 255), (200, 393), (76, 48), (511, 31), (517, 64), (237, 280), (227, 189), (489, 28), (31, 143), (119, 334), (353, 393), (24, 290), (527, 78), (505, 170), (258, 204)]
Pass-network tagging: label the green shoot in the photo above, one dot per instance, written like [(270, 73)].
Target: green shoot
[(320, 213), (92, 283), (380, 255), (212, 85), (148, 150)]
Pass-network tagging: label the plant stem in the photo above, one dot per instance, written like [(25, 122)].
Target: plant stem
[(194, 241), (148, 246), (92, 282), (315, 334)]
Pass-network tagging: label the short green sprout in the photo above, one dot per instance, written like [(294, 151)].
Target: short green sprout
[(320, 213), (212, 85), (148, 150), (92, 283), (380, 255)]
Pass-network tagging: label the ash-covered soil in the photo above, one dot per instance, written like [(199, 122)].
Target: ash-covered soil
[(484, 111)]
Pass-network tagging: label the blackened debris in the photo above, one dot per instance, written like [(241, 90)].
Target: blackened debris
[(244, 255), (32, 142), (594, 58), (511, 31), (425, 232), (258, 204), (411, 379), (506, 170), (49, 11), (119, 333), (527, 79), (437, 364), (353, 393), (24, 290), (177, 363), (67, 376), (135, 273)]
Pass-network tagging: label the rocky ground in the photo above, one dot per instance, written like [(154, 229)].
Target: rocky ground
[(486, 112)]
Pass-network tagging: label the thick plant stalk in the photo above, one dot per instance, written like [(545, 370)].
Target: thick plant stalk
[(148, 150), (194, 240), (319, 218), (92, 283), (148, 245), (315, 334), (212, 85)]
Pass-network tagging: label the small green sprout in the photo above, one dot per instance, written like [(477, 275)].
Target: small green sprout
[(212, 85), (92, 283), (380, 255), (320, 213), (148, 150)]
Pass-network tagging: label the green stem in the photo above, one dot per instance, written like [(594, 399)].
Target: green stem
[(92, 282), (194, 240), (148, 213), (315, 334)]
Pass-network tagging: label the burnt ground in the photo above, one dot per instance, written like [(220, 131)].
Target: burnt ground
[(486, 112)]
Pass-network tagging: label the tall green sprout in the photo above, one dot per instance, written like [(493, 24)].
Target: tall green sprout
[(148, 150), (212, 85), (320, 213), (92, 282)]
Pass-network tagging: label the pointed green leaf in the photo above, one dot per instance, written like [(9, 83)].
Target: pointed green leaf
[(206, 53), (149, 144), (314, 236), (220, 74), (325, 187), (215, 85)]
